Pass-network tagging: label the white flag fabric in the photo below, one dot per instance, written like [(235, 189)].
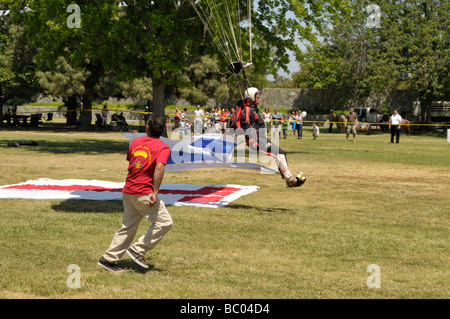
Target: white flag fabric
[(212, 196), (205, 151)]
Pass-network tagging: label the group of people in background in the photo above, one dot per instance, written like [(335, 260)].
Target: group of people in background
[(277, 123), (214, 120), (217, 120)]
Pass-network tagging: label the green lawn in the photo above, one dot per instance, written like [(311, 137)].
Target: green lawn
[(369, 202)]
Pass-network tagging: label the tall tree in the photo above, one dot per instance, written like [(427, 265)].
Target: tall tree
[(159, 39), (17, 79), (81, 34), (162, 38), (383, 45), (411, 49), (66, 82), (206, 82)]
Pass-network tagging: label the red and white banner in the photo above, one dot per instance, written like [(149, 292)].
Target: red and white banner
[(172, 194)]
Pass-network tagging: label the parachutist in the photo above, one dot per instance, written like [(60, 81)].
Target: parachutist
[(247, 118)]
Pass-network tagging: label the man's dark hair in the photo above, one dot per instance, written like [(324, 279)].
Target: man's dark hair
[(155, 125)]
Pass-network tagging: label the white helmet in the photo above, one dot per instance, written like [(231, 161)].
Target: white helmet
[(251, 93)]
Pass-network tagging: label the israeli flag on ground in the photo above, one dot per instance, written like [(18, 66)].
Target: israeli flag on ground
[(206, 150)]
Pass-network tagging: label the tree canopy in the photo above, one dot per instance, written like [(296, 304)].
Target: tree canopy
[(146, 49), (383, 45)]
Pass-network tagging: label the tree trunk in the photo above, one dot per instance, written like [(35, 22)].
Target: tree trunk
[(71, 115), (2, 103), (1, 113), (158, 101), (425, 105), (86, 112)]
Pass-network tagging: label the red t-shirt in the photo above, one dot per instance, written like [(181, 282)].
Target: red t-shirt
[(226, 114), (143, 155)]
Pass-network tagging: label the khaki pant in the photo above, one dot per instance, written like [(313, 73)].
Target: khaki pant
[(135, 208), (351, 128)]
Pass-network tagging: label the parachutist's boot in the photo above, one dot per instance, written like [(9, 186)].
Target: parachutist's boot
[(291, 181)]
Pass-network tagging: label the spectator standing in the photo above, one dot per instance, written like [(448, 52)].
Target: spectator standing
[(276, 118), (198, 121), (224, 118), (285, 126), (331, 118), (315, 131), (267, 122), (183, 125), (209, 121), (395, 123), (293, 121), (230, 116), (105, 113), (176, 118), (205, 122), (299, 125), (216, 120), (187, 128), (352, 121)]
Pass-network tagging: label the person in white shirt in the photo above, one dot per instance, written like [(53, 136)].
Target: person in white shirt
[(267, 123), (198, 122), (299, 124), (395, 123), (183, 125), (216, 121), (187, 128), (315, 131)]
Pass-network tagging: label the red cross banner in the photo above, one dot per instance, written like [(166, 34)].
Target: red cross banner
[(213, 196)]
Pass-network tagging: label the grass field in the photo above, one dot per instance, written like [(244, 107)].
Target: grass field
[(369, 202)]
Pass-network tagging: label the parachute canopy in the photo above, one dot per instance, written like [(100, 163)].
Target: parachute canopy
[(224, 20)]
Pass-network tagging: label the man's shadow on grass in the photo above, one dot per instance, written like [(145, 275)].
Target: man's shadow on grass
[(95, 206), (89, 206), (77, 146), (129, 264), (116, 206), (264, 209)]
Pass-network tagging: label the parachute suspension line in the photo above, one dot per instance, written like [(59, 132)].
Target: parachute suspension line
[(239, 86), (207, 19), (213, 14), (232, 34), (229, 36), (246, 79), (224, 26), (238, 23), (218, 71), (249, 5), (220, 34)]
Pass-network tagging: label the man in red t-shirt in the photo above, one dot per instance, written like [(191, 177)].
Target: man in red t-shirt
[(224, 117), (147, 157)]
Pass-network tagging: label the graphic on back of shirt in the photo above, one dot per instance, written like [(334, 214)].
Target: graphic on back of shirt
[(140, 157)]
